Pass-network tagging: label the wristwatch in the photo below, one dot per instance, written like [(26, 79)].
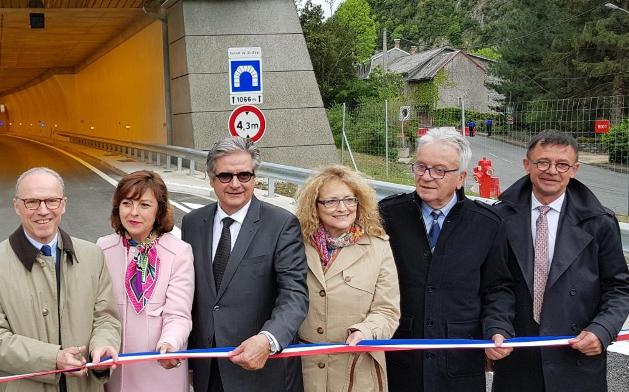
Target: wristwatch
[(273, 347)]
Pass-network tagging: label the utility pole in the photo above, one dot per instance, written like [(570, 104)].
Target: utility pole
[(384, 50)]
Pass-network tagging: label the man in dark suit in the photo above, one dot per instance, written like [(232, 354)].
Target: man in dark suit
[(566, 257), (250, 269), (454, 283)]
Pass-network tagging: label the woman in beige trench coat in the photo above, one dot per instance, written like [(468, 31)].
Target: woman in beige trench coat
[(352, 281)]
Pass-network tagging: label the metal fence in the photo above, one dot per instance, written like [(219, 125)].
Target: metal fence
[(378, 138)]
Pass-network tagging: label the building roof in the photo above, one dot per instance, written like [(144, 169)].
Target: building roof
[(422, 65)]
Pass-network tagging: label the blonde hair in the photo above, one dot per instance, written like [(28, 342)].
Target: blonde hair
[(367, 214)]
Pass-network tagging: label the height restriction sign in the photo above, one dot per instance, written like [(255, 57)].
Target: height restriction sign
[(247, 121)]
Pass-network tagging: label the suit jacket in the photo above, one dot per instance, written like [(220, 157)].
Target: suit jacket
[(587, 289), (165, 319), (263, 288), (462, 290), (359, 291)]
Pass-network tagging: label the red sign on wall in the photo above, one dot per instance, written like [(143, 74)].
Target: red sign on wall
[(601, 126)]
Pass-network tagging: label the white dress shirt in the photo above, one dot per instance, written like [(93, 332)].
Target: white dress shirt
[(553, 221), (234, 229)]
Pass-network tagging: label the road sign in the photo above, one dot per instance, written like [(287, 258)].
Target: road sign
[(405, 113), (601, 126), (247, 121), (245, 75)]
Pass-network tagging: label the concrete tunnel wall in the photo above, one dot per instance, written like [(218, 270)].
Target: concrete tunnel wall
[(120, 95)]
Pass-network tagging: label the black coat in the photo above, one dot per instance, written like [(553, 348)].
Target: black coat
[(460, 291), (587, 288)]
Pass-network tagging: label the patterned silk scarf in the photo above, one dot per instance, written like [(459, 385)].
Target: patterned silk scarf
[(329, 247), (142, 271)]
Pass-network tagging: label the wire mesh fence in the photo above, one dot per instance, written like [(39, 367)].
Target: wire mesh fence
[(380, 138)]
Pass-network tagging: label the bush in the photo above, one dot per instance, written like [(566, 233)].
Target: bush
[(616, 142)]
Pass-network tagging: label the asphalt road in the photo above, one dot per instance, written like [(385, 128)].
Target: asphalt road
[(611, 188), (89, 203)]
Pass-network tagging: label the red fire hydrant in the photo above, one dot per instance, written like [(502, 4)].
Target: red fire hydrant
[(488, 184)]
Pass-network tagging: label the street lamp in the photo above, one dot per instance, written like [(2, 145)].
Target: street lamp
[(613, 6)]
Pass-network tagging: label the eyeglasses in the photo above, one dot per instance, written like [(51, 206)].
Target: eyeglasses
[(435, 172), (242, 177), (333, 203), (543, 165), (33, 204)]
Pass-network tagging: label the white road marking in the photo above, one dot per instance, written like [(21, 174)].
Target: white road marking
[(619, 347), (193, 206), (176, 231)]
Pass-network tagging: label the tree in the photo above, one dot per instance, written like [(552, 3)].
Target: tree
[(331, 49), (356, 16)]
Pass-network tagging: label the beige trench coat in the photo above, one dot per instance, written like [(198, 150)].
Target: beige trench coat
[(29, 333), (359, 291)]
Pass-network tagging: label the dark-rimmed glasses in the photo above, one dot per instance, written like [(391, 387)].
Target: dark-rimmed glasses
[(51, 203), (333, 203), (543, 165), (435, 172), (242, 177)]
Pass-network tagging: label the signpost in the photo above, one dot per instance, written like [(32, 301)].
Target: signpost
[(245, 75), (247, 121)]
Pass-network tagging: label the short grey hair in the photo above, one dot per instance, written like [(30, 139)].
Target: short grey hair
[(231, 145), (36, 170), (452, 138)]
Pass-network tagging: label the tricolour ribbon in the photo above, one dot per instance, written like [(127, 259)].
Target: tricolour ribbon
[(303, 350)]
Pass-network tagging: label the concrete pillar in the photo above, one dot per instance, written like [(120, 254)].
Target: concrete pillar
[(199, 34)]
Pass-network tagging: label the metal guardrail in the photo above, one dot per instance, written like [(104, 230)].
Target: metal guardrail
[(191, 159), (153, 153)]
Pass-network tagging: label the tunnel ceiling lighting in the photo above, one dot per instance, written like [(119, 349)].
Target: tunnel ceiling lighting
[(37, 20)]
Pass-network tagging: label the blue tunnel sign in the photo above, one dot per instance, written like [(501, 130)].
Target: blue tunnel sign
[(245, 76)]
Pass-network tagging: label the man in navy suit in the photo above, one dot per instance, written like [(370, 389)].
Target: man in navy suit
[(250, 271), (566, 257)]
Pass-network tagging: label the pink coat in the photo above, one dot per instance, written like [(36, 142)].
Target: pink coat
[(165, 319)]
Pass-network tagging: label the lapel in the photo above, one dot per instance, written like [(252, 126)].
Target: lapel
[(569, 243), (521, 241), (348, 256), (247, 232), (206, 230), (314, 264)]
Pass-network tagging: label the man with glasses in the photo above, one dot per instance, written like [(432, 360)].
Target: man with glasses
[(566, 257), (454, 283), (57, 310), (250, 269)]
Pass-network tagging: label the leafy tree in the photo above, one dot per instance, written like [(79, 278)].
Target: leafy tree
[(331, 50), (356, 16)]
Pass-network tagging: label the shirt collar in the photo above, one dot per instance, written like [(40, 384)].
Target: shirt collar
[(38, 245), (426, 209), (555, 205), (238, 216)]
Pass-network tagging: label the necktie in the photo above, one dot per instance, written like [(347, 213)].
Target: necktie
[(46, 250), (540, 274), (222, 252), (435, 230)]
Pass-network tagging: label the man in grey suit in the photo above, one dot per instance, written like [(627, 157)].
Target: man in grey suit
[(250, 271)]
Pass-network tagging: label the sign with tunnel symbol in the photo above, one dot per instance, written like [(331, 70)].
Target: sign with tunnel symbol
[(247, 121), (245, 76)]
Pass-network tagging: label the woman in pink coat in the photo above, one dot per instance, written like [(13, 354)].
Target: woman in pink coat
[(153, 283)]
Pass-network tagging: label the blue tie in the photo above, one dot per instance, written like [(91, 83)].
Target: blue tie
[(46, 250), (435, 230)]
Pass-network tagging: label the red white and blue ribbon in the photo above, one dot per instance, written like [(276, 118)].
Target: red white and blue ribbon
[(303, 350)]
